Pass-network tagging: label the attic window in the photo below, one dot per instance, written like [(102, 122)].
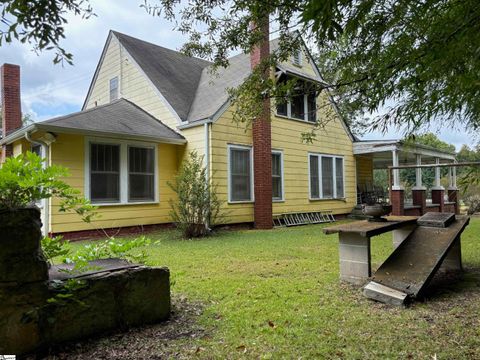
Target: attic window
[(297, 58), (302, 104), (114, 89)]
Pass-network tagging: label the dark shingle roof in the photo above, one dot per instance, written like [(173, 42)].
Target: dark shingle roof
[(175, 75), (120, 117)]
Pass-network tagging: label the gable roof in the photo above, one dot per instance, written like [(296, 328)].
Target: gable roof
[(120, 118), (175, 75), (188, 84)]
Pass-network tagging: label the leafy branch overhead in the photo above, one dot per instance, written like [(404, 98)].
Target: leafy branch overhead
[(41, 23), (408, 62)]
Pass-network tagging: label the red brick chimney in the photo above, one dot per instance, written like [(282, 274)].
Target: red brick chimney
[(262, 143), (11, 107)]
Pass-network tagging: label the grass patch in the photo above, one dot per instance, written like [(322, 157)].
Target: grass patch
[(276, 294)]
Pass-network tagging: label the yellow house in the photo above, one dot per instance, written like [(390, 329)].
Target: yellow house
[(148, 106)]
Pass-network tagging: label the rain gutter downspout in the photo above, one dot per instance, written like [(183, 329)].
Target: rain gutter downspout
[(206, 127), (46, 204)]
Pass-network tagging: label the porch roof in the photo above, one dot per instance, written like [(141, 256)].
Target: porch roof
[(381, 152)]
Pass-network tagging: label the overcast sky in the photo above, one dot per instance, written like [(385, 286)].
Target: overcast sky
[(51, 90)]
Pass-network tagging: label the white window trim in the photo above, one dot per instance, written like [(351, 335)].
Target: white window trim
[(124, 183), (229, 178), (334, 175), (282, 176)]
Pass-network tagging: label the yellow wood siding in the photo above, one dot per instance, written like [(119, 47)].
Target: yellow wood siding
[(133, 85), (364, 170), (286, 136), (69, 151)]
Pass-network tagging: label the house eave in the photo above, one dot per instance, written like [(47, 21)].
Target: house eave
[(74, 131)]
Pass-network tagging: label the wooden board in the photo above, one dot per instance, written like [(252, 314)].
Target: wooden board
[(441, 220), (413, 264), (368, 228)]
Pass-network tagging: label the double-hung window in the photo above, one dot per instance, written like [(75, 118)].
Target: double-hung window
[(301, 104), (121, 172), (240, 175), (326, 177), (277, 176)]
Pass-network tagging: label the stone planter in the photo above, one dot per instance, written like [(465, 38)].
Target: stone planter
[(116, 296), (21, 257)]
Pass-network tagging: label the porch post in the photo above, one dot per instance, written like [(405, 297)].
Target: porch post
[(397, 199), (452, 189), (438, 191), (419, 192)]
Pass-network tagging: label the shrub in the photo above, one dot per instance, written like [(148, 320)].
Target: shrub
[(197, 206), (24, 180), (473, 202)]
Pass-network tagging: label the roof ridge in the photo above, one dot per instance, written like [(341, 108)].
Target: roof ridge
[(119, 34)]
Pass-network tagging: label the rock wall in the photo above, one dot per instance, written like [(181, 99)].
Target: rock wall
[(111, 299)]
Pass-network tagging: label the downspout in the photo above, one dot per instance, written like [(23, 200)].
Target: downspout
[(46, 204), (206, 128)]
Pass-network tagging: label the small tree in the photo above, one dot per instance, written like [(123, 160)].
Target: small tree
[(197, 206)]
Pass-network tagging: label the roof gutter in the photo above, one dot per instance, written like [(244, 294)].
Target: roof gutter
[(44, 127), (195, 124)]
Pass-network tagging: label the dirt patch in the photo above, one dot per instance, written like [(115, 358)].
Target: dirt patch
[(158, 341)]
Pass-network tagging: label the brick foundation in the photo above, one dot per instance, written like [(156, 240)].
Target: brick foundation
[(101, 234), (453, 197), (397, 199), (419, 198), (438, 198), (262, 144)]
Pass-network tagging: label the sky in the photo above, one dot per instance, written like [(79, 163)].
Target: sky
[(50, 90)]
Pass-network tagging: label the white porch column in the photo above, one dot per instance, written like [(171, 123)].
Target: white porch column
[(438, 185), (396, 172), (418, 175)]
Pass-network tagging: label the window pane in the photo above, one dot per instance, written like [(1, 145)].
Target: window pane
[(312, 107), (298, 107), (314, 183), (339, 177), (327, 177), (114, 89), (240, 175), (141, 174), (282, 108), (277, 176), (104, 173)]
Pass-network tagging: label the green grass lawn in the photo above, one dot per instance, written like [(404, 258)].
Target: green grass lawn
[(276, 294)]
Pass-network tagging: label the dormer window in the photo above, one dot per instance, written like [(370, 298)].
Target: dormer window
[(114, 89), (297, 58), (302, 104)]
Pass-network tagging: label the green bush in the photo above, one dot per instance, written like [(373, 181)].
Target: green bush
[(197, 206), (24, 180)]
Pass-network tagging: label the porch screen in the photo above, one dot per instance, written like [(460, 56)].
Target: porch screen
[(104, 173), (141, 174), (240, 174)]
